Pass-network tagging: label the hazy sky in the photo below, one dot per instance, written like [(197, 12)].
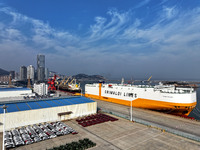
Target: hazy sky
[(114, 38)]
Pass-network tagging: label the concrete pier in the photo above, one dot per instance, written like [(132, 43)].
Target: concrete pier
[(174, 124), (118, 135), (126, 135)]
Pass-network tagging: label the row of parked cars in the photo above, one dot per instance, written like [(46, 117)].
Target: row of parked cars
[(95, 119), (36, 133)]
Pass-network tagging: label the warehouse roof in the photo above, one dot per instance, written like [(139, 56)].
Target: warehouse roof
[(14, 89), (40, 104)]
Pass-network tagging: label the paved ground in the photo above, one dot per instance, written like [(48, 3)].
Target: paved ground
[(171, 121), (121, 134)]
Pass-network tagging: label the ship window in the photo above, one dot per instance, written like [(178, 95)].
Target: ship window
[(135, 95)]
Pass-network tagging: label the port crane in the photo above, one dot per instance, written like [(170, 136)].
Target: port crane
[(62, 81), (51, 83), (149, 78), (71, 82), (66, 81)]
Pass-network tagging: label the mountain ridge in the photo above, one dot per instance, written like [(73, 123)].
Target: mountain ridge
[(85, 77), (3, 72)]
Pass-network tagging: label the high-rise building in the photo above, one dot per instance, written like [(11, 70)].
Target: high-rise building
[(31, 72), (41, 74), (40, 89), (23, 73), (17, 76), (12, 74), (46, 73), (40, 67)]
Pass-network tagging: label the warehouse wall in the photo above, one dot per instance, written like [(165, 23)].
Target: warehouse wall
[(16, 93), (23, 118)]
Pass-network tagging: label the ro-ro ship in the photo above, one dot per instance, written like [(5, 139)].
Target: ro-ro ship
[(166, 98)]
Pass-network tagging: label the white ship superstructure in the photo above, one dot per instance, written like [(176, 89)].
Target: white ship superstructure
[(178, 100)]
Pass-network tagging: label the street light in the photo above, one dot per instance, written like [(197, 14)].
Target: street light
[(131, 112), (4, 120)]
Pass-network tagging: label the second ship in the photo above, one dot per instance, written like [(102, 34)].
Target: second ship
[(68, 85)]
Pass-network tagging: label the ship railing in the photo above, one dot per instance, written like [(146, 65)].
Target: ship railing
[(177, 92), (144, 86)]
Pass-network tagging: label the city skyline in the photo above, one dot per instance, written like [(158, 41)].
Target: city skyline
[(110, 38)]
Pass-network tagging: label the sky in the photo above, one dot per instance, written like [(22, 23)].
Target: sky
[(114, 38)]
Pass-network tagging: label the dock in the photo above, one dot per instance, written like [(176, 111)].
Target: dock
[(173, 124), (118, 135), (149, 130)]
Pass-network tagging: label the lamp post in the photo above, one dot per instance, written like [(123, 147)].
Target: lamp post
[(4, 120), (131, 112)]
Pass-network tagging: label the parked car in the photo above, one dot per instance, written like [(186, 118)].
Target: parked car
[(31, 132), (51, 127), (9, 143), (27, 139), (23, 130), (15, 132), (8, 133), (18, 140), (50, 133), (37, 139)]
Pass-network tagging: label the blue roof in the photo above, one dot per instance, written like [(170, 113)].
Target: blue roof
[(40, 104), (13, 89)]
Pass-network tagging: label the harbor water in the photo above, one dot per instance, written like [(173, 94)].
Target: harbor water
[(196, 111)]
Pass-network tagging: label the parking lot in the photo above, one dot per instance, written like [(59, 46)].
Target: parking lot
[(36, 133), (120, 134)]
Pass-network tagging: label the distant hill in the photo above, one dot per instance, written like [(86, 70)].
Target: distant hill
[(3, 72), (84, 77)]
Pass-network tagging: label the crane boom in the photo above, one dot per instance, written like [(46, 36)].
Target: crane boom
[(149, 78), (66, 81), (62, 80), (71, 81)]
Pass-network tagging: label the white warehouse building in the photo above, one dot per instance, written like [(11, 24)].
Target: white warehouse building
[(40, 89), (15, 93), (29, 112)]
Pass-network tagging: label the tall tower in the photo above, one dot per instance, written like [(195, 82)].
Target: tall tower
[(40, 67), (46, 73), (31, 73), (23, 73)]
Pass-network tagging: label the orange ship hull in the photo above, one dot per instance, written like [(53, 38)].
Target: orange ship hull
[(167, 107)]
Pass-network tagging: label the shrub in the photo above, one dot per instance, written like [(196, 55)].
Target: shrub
[(79, 145)]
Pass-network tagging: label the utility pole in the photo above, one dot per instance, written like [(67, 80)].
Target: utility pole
[(10, 81), (4, 120), (131, 112)]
